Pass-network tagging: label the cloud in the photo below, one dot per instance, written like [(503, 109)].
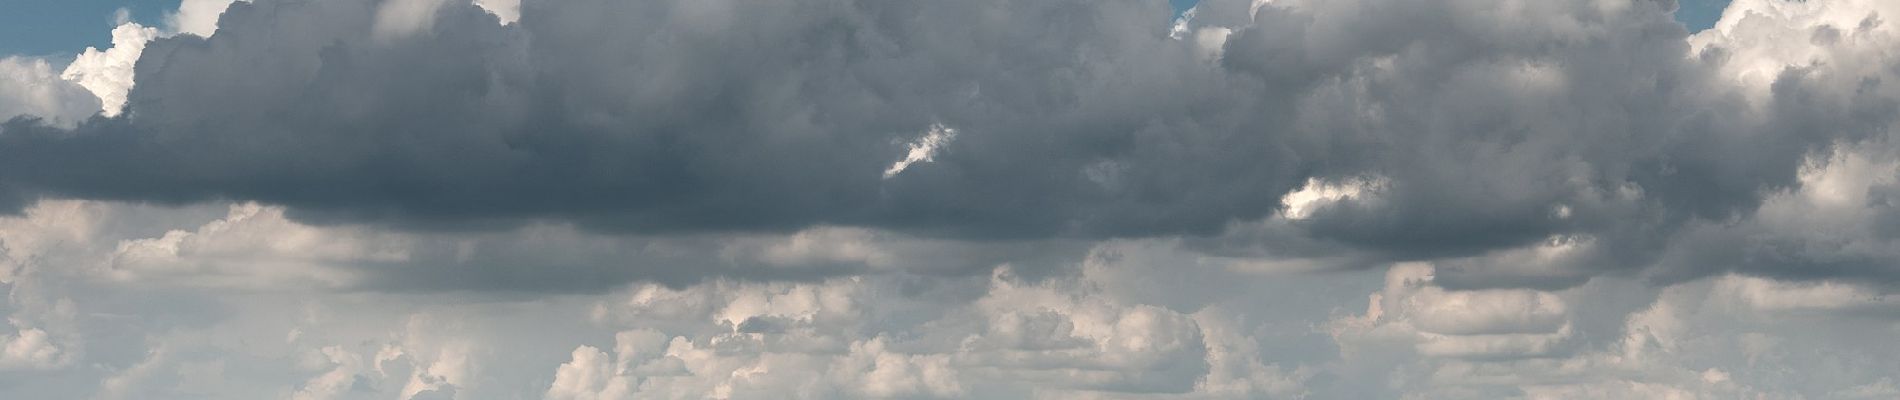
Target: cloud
[(653, 151), (508, 11), (399, 18), (1833, 227), (1136, 319), (594, 199), (1485, 136), (836, 339), (248, 246), (196, 17), (1713, 338), (1770, 296), (1489, 324), (108, 73), (923, 149), (30, 348), (253, 243), (30, 88)]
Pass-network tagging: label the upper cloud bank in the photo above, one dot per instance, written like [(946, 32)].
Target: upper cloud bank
[(1573, 136), (657, 116), (414, 199)]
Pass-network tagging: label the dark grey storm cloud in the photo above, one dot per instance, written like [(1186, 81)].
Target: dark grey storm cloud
[(1489, 129), (658, 116)]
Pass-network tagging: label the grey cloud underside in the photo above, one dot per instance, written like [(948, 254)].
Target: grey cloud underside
[(655, 116), (1076, 119)]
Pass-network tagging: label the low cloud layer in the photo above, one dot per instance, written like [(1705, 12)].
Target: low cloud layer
[(594, 199), (1489, 129)]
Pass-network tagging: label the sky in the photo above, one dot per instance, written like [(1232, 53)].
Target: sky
[(988, 199), (1700, 14), (56, 27)]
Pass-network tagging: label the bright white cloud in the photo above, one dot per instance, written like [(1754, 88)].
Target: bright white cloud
[(508, 11), (1318, 193), (197, 17), (108, 73), (924, 149)]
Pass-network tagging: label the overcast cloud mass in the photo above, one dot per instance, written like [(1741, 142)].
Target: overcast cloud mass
[(986, 199)]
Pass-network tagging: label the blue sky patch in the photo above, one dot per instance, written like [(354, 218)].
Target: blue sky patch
[(61, 28)]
